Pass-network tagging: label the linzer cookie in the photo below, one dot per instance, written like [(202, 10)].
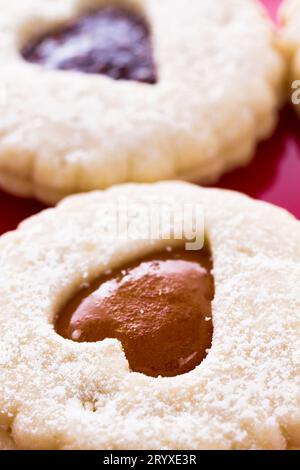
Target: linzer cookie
[(116, 341), (139, 91)]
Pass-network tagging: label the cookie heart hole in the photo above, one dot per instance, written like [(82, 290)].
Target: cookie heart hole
[(110, 41), (159, 308)]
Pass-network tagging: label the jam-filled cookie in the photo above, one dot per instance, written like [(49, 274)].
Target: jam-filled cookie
[(110, 341), (143, 90)]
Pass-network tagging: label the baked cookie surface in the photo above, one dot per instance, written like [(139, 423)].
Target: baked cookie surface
[(61, 394), (290, 19), (218, 81)]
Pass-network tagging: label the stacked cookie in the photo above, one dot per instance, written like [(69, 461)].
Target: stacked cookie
[(121, 329)]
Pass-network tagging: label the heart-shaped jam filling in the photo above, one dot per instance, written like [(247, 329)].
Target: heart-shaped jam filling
[(158, 308), (110, 41)]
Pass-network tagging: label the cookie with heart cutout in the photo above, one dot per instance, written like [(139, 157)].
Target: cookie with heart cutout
[(111, 340), (142, 91)]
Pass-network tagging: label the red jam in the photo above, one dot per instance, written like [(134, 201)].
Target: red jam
[(110, 41), (159, 308)]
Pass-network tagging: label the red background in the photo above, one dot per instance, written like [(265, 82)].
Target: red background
[(273, 176)]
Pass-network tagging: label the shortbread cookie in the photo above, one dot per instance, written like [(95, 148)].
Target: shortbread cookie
[(290, 18), (143, 91), (6, 442), (114, 342)]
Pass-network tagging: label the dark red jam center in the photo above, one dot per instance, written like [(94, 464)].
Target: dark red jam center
[(159, 308), (111, 41)]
